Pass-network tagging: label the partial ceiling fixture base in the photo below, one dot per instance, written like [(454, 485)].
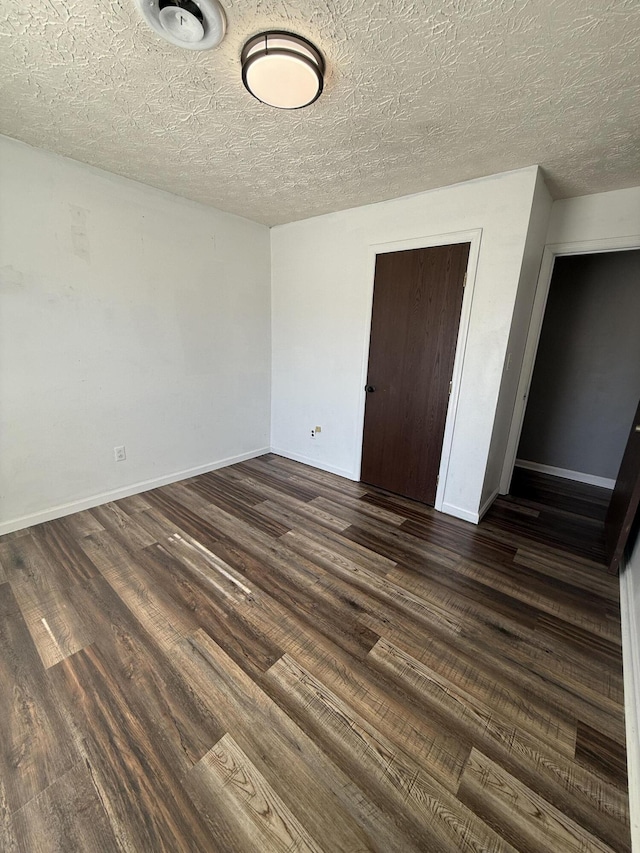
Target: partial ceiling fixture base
[(194, 24), (282, 70)]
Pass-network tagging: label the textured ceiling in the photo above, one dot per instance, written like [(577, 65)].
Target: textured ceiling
[(419, 94)]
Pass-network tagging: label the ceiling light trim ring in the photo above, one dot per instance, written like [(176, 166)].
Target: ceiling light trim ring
[(289, 46)]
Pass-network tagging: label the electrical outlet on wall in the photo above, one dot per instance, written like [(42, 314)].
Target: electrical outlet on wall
[(120, 453)]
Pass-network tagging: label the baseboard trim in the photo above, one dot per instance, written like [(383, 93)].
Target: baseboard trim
[(487, 504), (314, 463), (631, 671), (126, 491), (566, 474), (459, 512)]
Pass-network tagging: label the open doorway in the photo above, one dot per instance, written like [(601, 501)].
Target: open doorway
[(582, 399)]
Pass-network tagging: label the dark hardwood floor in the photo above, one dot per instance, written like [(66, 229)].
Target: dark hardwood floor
[(554, 511), (271, 658)]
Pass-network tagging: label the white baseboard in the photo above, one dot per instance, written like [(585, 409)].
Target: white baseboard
[(485, 506), (631, 669), (459, 512), (314, 463), (566, 474), (124, 492)]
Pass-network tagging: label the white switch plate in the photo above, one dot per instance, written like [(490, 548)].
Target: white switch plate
[(120, 453)]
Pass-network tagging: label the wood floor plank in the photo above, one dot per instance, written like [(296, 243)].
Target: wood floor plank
[(227, 770), (568, 569), (364, 556), (601, 754), (187, 510), (114, 519), (229, 487), (239, 509), (593, 802), (154, 609), (522, 816), (416, 607), (532, 637), (63, 551), (269, 657), (314, 475), (432, 813), (67, 817), (305, 508), (81, 524), (25, 562), (583, 642), (407, 725), (55, 626), (589, 690), (133, 504), (40, 586), (149, 681), (556, 599), (143, 797), (530, 666), (37, 747), (297, 584), (223, 617), (600, 686), (278, 480), (460, 594), (400, 546), (473, 544), (158, 525), (301, 515), (326, 799), (318, 604), (8, 840), (353, 511), (488, 684), (546, 531)]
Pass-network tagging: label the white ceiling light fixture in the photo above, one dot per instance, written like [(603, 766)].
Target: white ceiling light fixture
[(194, 24), (282, 70)]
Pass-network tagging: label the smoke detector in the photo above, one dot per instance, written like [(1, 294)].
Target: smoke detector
[(194, 24)]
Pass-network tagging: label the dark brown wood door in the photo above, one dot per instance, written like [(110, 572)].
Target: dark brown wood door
[(625, 499), (417, 299)]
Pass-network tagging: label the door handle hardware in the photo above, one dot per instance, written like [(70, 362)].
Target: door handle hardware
[(369, 388)]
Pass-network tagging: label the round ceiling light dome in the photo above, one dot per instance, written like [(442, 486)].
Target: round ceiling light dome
[(282, 70), (194, 24)]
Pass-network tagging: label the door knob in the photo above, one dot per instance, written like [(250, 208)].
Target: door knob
[(369, 388)]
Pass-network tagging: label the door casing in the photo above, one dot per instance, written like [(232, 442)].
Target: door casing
[(551, 252), (473, 237)]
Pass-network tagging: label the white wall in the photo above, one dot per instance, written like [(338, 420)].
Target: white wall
[(322, 284), (127, 317), (534, 247), (630, 610), (594, 223), (595, 217)]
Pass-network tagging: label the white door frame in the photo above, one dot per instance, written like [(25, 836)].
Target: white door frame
[(551, 252), (473, 237)]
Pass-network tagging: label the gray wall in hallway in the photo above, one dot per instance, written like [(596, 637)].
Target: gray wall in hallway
[(586, 381)]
